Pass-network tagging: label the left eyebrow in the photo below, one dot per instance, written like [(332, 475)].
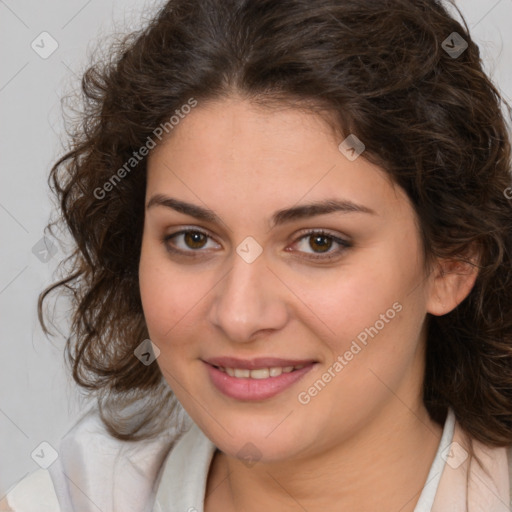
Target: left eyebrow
[(318, 208), (280, 217)]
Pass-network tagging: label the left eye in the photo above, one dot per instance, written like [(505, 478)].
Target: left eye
[(321, 243)]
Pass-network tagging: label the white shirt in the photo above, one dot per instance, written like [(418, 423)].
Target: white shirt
[(95, 472)]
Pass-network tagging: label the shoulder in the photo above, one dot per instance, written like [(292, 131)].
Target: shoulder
[(34, 493), (94, 464), (38, 491)]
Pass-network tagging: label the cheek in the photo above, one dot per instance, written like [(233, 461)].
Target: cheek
[(344, 305), (175, 305), (166, 296), (372, 314)]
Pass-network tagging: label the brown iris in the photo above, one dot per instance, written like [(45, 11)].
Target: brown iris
[(323, 242), (194, 239)]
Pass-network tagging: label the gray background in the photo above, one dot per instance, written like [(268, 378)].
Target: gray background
[(38, 400)]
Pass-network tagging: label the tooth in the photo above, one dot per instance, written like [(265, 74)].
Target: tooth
[(275, 371), (261, 373)]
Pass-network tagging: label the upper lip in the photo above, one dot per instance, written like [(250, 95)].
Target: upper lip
[(259, 362)]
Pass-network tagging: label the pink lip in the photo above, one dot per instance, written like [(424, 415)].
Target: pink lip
[(255, 389)]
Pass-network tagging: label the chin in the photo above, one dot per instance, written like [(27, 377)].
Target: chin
[(269, 440)]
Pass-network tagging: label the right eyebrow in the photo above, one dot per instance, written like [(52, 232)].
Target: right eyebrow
[(193, 210)]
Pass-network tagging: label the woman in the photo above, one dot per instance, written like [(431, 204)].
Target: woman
[(292, 277)]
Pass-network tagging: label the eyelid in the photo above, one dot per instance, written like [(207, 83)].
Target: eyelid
[(187, 229), (344, 243), (297, 237), (322, 231)]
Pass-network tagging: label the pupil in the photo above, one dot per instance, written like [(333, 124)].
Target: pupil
[(318, 241), (193, 239)]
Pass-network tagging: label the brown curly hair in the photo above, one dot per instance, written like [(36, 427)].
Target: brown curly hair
[(431, 119)]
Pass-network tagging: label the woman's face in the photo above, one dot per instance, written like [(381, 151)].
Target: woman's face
[(256, 268)]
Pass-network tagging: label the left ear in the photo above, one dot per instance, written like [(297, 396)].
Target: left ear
[(451, 282)]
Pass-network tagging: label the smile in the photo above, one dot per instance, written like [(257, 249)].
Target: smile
[(257, 383), (259, 373)]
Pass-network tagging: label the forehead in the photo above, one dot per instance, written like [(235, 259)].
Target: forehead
[(233, 150)]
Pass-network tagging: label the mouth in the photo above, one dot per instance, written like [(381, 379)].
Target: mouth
[(259, 373), (256, 380)]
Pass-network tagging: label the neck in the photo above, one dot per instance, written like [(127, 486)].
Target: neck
[(379, 468)]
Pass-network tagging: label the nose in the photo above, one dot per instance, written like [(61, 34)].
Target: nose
[(249, 301)]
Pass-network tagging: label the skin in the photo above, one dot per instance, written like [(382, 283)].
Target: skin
[(366, 441)]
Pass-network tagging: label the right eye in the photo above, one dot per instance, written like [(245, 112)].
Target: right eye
[(187, 242)]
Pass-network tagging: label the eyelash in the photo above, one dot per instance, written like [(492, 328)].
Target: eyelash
[(345, 244)]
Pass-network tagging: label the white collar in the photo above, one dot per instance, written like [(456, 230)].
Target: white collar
[(429, 491), (182, 483)]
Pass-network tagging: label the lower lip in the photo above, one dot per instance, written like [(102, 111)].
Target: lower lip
[(254, 389)]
